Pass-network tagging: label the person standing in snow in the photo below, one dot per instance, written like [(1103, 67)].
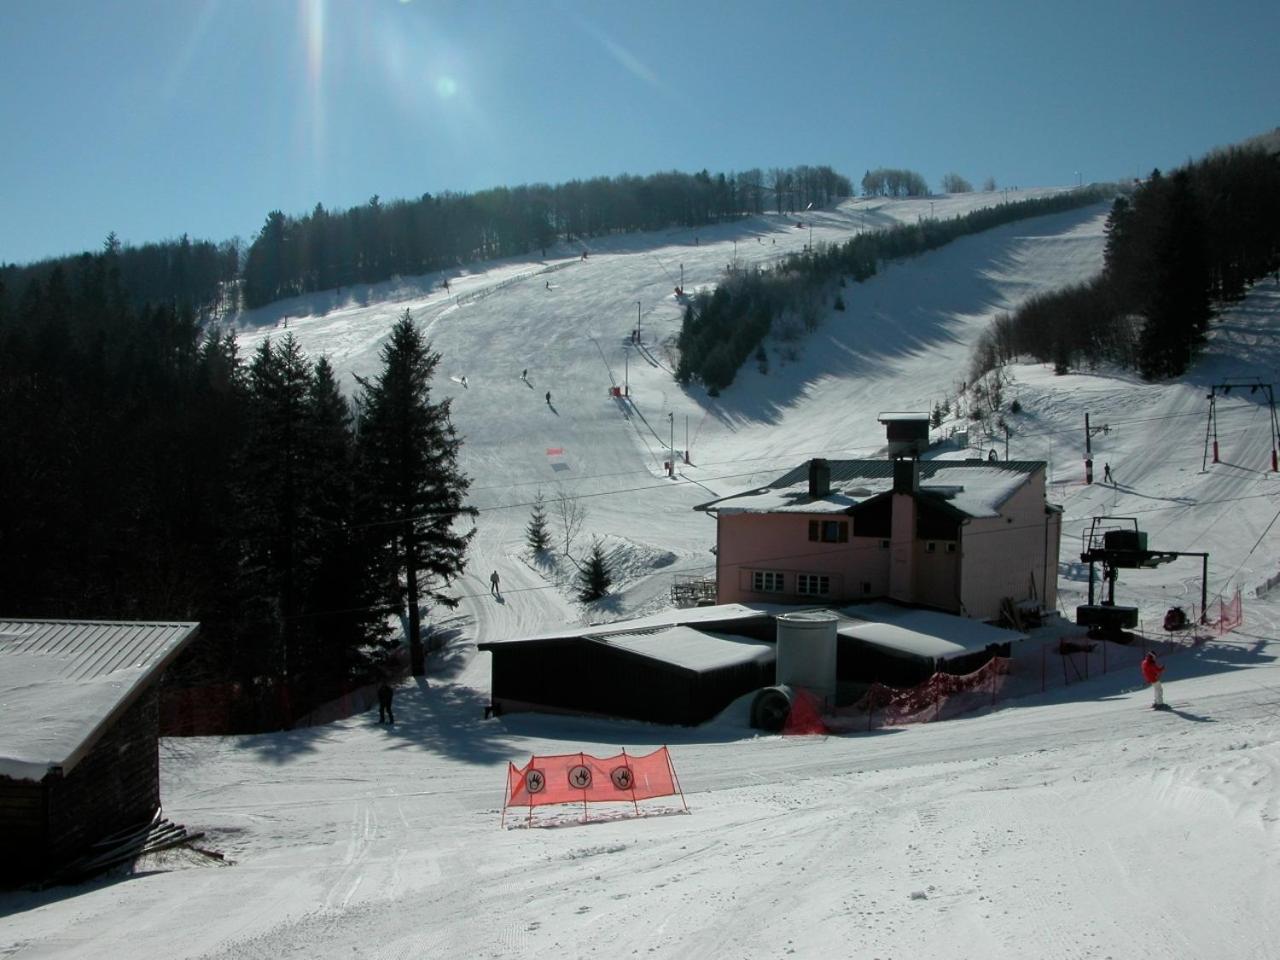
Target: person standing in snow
[(548, 398), (385, 693), (524, 374), (493, 583), (1106, 474), (1151, 670)]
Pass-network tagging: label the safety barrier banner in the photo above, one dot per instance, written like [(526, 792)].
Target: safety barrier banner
[(581, 778)]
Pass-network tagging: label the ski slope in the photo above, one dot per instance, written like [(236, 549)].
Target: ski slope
[(1073, 824)]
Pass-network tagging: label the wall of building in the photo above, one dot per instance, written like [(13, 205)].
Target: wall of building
[(1006, 556), (858, 569), (117, 785)]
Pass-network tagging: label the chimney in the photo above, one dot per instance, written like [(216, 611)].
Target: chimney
[(906, 476), (819, 478)]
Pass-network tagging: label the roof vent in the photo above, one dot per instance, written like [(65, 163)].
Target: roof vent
[(819, 478)]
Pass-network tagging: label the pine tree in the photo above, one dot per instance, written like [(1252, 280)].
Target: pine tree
[(537, 536), (409, 473), (596, 578)]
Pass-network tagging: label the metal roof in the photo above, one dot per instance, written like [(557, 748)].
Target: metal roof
[(63, 682)]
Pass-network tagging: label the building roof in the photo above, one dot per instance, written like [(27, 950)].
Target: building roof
[(693, 649), (719, 614), (64, 682), (929, 634), (900, 416), (975, 488)]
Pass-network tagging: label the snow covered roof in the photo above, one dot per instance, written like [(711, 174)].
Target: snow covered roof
[(62, 683), (913, 417), (693, 649), (721, 613), (975, 488), (920, 633)]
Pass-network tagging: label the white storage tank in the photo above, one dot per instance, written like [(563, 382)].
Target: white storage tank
[(807, 653)]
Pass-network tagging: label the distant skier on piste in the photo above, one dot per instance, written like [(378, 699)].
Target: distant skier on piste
[(1151, 671)]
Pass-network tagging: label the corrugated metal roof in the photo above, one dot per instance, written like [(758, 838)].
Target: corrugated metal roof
[(62, 682)]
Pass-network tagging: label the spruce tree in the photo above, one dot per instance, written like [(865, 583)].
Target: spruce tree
[(537, 536), (596, 578), (413, 487)]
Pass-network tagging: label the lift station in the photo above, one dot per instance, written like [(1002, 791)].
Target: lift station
[(1117, 544)]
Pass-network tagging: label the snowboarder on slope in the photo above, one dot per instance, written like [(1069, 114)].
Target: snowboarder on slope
[(385, 693), (1151, 670), (493, 583)]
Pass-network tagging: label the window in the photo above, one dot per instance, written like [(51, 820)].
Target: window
[(951, 547), (766, 581), (866, 586), (931, 546), (884, 544), (812, 585), (829, 531)]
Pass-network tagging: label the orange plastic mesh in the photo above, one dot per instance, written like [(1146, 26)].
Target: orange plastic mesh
[(805, 716), (579, 778)]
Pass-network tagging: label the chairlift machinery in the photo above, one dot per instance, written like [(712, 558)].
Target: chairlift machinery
[(1117, 544)]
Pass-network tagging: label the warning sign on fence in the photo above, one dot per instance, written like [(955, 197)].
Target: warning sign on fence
[(581, 778)]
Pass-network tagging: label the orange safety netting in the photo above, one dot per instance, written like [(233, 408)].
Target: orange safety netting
[(581, 778), (925, 701), (805, 716)]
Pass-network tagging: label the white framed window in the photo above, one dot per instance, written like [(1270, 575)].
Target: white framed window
[(829, 531), (766, 581), (951, 547), (931, 546), (813, 584), (884, 544)]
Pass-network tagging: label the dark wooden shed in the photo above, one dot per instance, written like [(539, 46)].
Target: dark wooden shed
[(670, 674), (79, 739)]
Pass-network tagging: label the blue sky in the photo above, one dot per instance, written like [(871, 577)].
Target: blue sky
[(157, 117)]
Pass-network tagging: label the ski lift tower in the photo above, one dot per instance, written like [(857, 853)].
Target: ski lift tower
[(1118, 544), (1253, 384)]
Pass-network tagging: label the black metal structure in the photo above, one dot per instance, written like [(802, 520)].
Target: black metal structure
[(1118, 544), (1253, 385)]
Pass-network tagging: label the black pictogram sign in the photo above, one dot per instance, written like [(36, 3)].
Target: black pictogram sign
[(534, 781), (622, 778), (580, 777)]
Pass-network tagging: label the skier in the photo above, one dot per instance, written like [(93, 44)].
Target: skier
[(1106, 474), (493, 584), (548, 284), (464, 382), (385, 693), (524, 374), (1151, 671), (548, 398)]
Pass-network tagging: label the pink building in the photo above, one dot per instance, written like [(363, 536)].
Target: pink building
[(961, 536)]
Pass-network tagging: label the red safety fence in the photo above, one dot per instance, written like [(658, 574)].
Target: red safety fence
[(581, 778), (805, 717)]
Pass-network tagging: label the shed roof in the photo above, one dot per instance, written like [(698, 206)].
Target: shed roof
[(693, 649), (63, 682), (929, 634), (975, 488)]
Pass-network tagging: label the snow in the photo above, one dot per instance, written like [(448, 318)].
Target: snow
[(1076, 823), (694, 649), (921, 633)]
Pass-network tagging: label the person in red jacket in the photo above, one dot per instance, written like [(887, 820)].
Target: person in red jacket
[(1151, 671)]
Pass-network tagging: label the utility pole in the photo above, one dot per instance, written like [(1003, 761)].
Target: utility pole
[(637, 321), (671, 447), (626, 371)]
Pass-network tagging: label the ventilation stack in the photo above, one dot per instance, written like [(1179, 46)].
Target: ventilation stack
[(807, 653)]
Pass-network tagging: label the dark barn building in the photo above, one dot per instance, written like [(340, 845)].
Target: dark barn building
[(667, 673), (79, 740)]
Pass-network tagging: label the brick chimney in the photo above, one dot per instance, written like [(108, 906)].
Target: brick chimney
[(906, 476), (819, 478)]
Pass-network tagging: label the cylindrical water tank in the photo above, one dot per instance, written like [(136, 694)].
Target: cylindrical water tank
[(807, 653)]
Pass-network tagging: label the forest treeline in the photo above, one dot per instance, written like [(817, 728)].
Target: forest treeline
[(376, 241), (151, 473), (1175, 248), (722, 329)]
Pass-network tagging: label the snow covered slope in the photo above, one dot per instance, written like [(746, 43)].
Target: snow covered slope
[(1062, 826)]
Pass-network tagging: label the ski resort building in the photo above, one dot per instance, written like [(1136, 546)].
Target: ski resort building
[(79, 742), (959, 536)]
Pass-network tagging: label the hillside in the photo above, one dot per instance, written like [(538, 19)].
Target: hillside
[(1076, 823)]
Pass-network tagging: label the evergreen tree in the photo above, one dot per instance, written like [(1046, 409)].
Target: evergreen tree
[(410, 475), (596, 579), (537, 536)]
